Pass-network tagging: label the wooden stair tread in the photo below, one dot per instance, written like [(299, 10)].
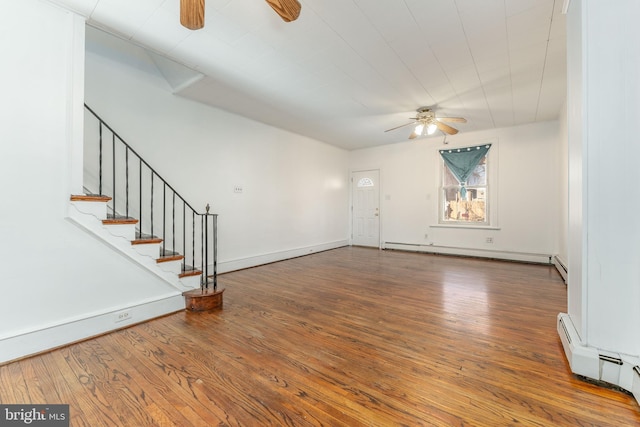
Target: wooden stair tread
[(119, 220), (89, 198), (189, 271), (146, 241), (168, 258)]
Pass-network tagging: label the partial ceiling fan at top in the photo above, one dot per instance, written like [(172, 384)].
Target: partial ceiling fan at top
[(426, 123), (192, 11)]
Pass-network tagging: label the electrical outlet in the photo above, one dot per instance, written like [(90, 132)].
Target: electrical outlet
[(237, 189), (489, 240), (123, 316)]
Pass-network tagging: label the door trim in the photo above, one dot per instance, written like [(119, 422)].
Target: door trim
[(351, 203)]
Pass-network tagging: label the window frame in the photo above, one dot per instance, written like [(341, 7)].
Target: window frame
[(491, 200)]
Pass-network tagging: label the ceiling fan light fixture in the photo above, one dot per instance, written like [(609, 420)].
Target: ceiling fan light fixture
[(426, 123)]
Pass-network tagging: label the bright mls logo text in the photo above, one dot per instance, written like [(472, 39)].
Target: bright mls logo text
[(37, 415)]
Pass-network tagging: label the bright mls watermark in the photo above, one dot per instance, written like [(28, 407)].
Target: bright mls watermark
[(34, 415)]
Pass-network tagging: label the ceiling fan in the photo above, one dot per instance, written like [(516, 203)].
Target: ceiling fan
[(426, 123), (192, 11)]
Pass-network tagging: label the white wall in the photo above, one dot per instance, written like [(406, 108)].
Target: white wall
[(54, 275), (524, 178), (603, 104), (576, 296), (605, 302), (295, 193)]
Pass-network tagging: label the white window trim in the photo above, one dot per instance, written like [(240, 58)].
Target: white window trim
[(460, 225)]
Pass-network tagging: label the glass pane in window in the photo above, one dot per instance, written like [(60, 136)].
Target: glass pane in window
[(449, 178), (365, 182), (479, 175), (470, 209)]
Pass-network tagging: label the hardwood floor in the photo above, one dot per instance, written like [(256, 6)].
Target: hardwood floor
[(347, 337)]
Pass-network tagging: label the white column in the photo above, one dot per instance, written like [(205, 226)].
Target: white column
[(603, 102)]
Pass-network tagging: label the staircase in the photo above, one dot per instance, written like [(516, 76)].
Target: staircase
[(139, 214)]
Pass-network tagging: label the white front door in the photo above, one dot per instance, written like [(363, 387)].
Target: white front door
[(365, 211)]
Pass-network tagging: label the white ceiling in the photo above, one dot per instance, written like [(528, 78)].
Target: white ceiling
[(347, 70)]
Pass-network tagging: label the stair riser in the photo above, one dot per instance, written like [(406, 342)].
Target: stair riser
[(191, 281), (128, 231), (98, 210), (148, 249), (171, 266)]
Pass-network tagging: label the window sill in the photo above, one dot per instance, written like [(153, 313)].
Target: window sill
[(467, 226)]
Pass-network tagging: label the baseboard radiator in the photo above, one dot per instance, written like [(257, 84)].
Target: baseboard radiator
[(561, 266), (471, 252), (606, 368)]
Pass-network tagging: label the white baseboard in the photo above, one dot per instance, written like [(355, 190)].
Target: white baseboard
[(609, 368), (561, 266), (253, 261), (24, 343), (472, 252), (45, 338)]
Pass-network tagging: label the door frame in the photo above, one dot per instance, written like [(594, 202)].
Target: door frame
[(351, 198)]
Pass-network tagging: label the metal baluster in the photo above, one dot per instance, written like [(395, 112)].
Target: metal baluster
[(113, 163), (206, 248), (184, 234), (152, 202), (100, 167), (173, 244), (140, 197), (202, 251), (164, 212), (126, 179), (215, 252), (193, 238)]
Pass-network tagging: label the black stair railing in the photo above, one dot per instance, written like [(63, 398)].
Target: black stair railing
[(160, 210)]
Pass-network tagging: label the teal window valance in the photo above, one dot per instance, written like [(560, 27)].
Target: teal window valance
[(462, 162)]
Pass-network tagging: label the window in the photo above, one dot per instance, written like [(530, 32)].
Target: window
[(464, 193), (365, 182)]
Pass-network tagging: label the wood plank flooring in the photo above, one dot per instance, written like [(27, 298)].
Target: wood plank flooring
[(347, 337)]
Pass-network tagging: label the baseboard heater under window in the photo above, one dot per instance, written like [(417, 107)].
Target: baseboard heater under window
[(470, 252)]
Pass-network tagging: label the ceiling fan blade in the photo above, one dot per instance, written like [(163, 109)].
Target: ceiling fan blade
[(446, 128), (289, 10), (413, 135), (401, 126), (192, 14), (452, 119)]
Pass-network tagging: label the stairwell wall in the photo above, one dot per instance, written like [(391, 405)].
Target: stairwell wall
[(59, 284), (294, 194)]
